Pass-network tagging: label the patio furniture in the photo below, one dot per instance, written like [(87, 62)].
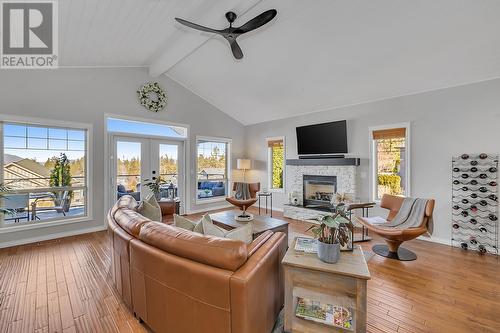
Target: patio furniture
[(121, 191), (212, 188), (59, 208), (394, 236), (18, 204)]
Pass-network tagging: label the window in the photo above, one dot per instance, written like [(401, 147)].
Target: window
[(390, 161), (276, 163), (139, 127), (213, 158), (45, 171)]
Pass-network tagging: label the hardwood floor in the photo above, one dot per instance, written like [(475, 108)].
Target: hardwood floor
[(63, 286)]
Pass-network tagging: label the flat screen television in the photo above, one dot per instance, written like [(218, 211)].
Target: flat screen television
[(322, 139)]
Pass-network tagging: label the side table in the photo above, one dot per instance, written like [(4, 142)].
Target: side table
[(169, 208), (266, 195)]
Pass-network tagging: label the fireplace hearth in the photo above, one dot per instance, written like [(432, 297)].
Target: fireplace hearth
[(318, 191)]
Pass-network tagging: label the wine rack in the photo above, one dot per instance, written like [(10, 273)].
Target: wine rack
[(475, 203)]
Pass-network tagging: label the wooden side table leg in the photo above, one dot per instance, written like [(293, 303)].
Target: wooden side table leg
[(361, 305), (288, 300)]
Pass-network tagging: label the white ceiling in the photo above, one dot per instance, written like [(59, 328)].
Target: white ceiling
[(315, 55)]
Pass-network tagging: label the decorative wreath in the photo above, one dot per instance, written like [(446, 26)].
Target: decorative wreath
[(152, 97)]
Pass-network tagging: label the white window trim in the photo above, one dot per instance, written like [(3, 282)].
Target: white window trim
[(373, 154), (89, 164), (229, 143), (269, 165)]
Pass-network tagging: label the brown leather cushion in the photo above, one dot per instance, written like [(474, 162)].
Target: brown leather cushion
[(130, 221), (127, 201), (218, 252)]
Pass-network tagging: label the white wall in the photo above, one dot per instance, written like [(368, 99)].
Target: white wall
[(85, 95), (443, 123)]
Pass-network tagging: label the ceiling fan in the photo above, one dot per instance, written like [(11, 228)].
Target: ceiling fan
[(231, 33)]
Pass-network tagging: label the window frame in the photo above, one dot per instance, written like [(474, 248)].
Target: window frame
[(374, 161), (269, 165), (50, 123), (228, 142)]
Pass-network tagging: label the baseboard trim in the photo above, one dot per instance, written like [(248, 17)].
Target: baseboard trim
[(52, 236), (435, 240)]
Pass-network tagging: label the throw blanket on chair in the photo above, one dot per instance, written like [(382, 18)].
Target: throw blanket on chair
[(242, 191), (410, 215)]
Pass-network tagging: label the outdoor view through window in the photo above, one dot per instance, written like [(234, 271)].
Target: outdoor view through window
[(212, 169), (276, 156), (390, 150), (44, 172)]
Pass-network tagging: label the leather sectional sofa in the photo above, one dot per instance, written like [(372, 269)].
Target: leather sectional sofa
[(176, 280)]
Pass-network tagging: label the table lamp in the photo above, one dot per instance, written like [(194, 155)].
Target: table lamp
[(243, 164)]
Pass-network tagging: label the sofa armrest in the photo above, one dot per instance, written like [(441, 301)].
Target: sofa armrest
[(257, 288), (258, 242)]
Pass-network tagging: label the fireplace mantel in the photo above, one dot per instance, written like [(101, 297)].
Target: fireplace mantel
[(325, 161)]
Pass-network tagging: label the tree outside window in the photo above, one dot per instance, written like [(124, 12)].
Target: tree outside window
[(276, 163)]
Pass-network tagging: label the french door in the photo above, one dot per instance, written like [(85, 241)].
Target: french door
[(137, 161)]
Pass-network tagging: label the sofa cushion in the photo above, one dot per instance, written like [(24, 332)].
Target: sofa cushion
[(126, 201), (187, 224), (218, 252), (243, 233), (150, 208)]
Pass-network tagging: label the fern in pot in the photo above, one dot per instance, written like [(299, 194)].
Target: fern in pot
[(331, 233)]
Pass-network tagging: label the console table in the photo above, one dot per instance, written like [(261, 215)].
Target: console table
[(342, 284)]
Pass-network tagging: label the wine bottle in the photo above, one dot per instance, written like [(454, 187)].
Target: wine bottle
[(483, 189), (464, 245), (483, 176), (473, 208), (456, 169), (492, 197), (473, 221), (465, 176), (473, 241), (473, 182), (483, 156), (473, 169), (473, 195), (464, 156), (464, 213), (481, 249), (483, 229), (465, 201), (492, 183), (492, 169), (492, 217), (456, 182), (473, 162), (456, 207), (483, 203), (455, 226), (465, 188)]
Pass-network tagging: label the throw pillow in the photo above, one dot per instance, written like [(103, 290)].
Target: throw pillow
[(184, 223), (149, 208), (243, 233)]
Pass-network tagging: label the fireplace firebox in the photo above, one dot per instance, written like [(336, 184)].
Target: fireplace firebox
[(318, 190)]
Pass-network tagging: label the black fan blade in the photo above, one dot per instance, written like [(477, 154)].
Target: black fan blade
[(238, 54), (197, 26), (257, 21)]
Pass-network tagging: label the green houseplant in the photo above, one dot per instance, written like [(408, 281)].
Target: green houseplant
[(331, 233), (155, 186), (60, 175)]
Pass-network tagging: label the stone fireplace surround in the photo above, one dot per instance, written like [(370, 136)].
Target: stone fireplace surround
[(296, 169)]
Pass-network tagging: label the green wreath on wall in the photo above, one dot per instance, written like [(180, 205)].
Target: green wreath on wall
[(152, 97)]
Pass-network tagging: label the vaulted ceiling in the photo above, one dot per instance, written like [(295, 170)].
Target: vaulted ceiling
[(316, 55)]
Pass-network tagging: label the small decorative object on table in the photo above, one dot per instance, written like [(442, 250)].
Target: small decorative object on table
[(294, 198), (332, 233), (306, 244)]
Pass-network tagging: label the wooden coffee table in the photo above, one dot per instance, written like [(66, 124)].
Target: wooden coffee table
[(260, 223)]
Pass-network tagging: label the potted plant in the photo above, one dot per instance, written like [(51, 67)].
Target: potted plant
[(60, 176), (155, 186), (331, 233)]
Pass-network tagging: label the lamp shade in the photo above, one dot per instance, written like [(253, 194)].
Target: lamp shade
[(243, 164)]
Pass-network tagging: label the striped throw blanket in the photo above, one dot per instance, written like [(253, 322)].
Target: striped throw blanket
[(242, 191)]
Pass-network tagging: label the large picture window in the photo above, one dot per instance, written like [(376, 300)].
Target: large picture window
[(276, 163), (44, 172), (212, 168), (390, 161)]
